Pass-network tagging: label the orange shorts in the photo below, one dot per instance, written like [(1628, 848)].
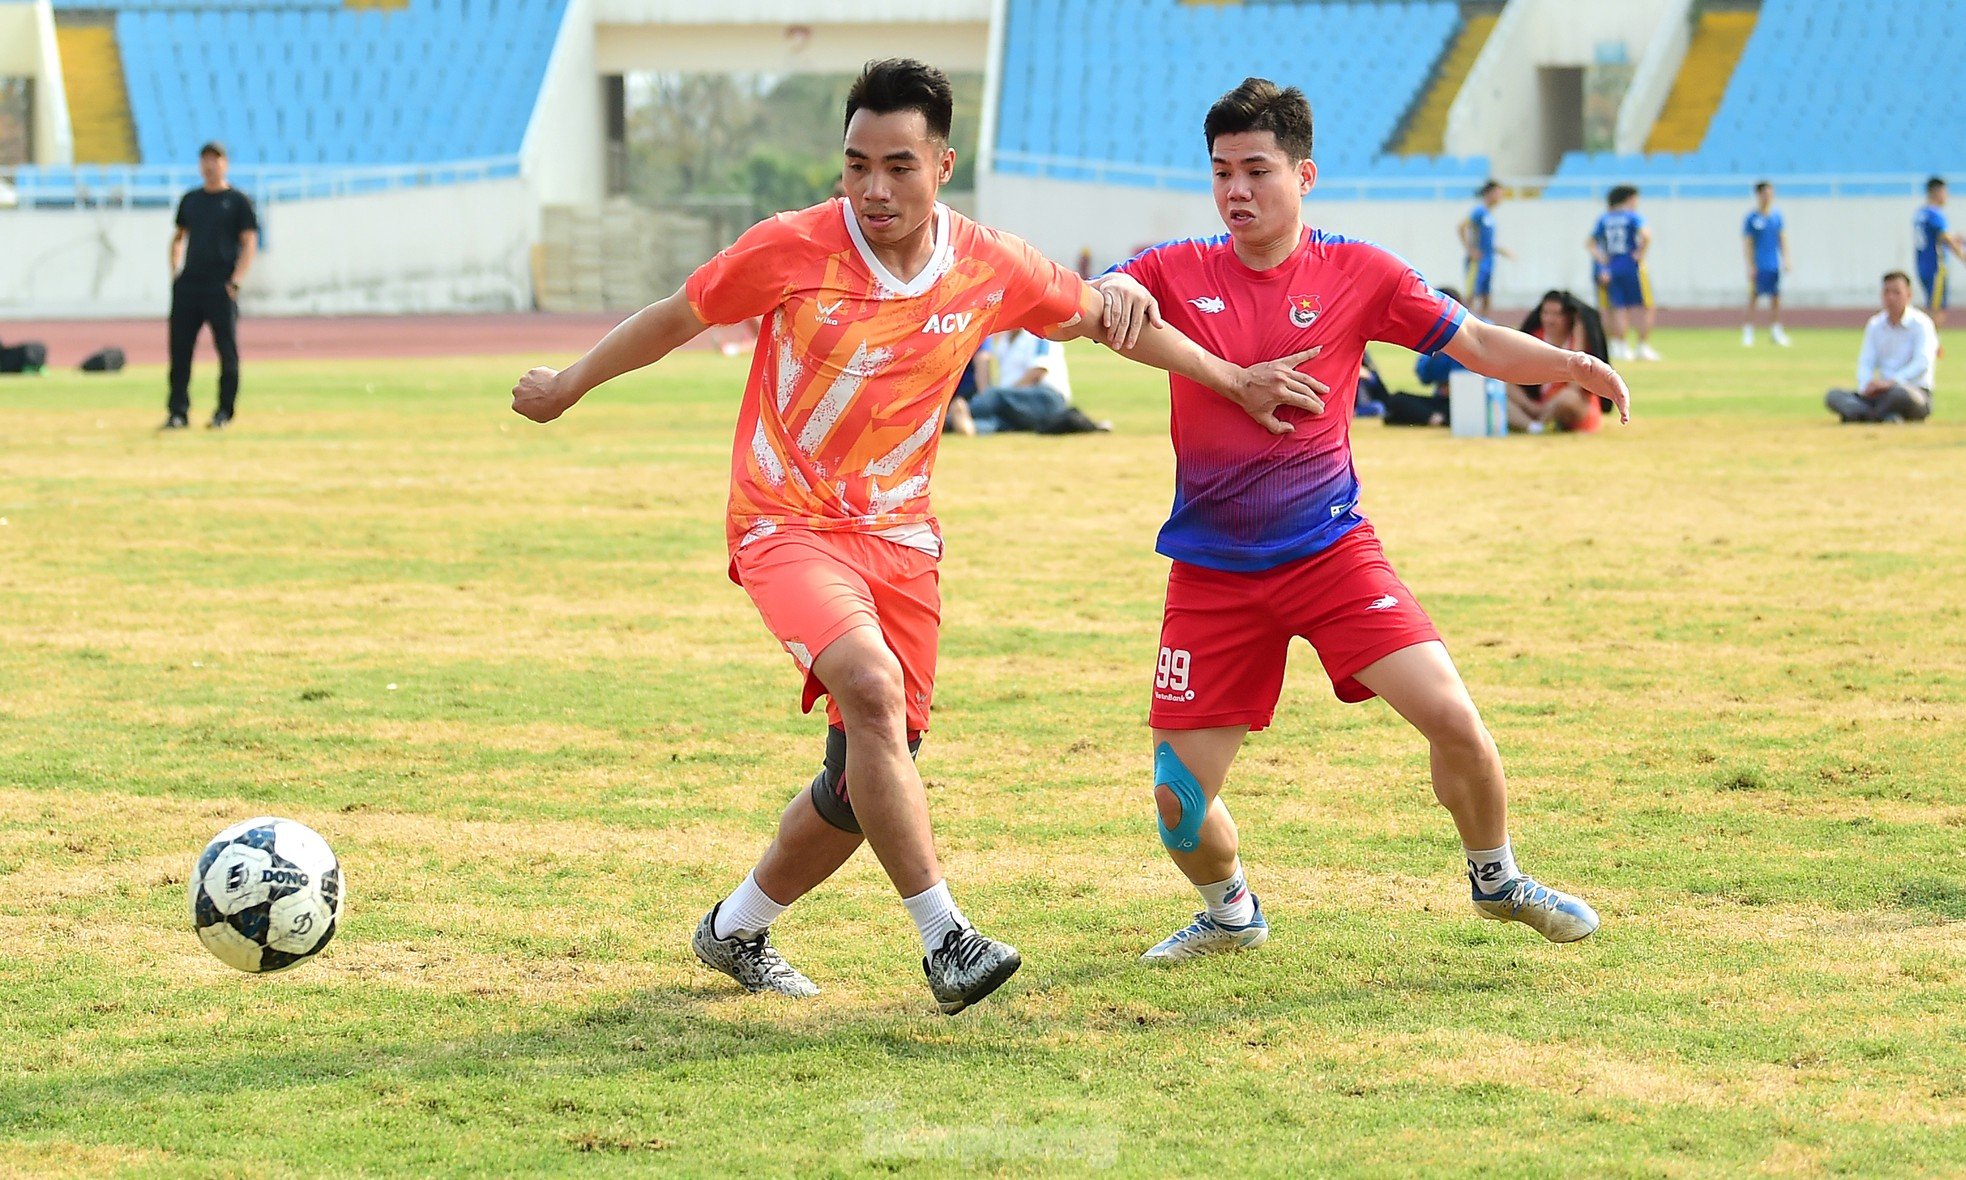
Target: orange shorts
[(813, 587)]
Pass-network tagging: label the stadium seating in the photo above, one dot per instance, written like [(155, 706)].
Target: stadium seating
[(1091, 89), (1824, 88), (306, 84)]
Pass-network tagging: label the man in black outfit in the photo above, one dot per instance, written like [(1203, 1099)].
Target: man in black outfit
[(217, 235)]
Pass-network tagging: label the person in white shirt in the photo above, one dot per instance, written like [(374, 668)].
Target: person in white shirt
[(1895, 369), (1033, 391)]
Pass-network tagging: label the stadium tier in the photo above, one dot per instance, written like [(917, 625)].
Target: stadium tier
[(1088, 96), (292, 85), (1823, 88)]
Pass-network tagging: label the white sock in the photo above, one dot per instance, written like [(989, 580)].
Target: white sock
[(935, 914), (1489, 871), (746, 911), (1230, 902)]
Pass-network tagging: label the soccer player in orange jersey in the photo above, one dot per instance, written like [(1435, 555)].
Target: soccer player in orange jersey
[(873, 304)]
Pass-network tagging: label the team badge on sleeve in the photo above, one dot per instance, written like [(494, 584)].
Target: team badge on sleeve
[(1305, 309)]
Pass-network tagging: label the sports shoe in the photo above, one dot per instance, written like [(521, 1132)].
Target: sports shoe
[(1551, 913), (1780, 337), (1206, 936), (175, 422), (753, 962), (1620, 351), (967, 967), (1647, 353), (1747, 336), (219, 422)]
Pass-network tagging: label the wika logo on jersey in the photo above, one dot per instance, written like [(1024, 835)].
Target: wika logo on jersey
[(949, 323), (1305, 309)]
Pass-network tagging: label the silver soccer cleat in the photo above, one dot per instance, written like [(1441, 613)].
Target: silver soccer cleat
[(967, 967), (753, 962), (1206, 936), (1551, 913)]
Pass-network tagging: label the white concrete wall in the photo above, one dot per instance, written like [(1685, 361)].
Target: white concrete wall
[(465, 247), (1498, 112), (28, 50), (1658, 69), (564, 152), (1839, 246)]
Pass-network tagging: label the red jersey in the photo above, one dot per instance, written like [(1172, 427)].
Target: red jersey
[(1246, 499)]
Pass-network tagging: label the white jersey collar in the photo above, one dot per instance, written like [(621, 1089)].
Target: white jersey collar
[(938, 260)]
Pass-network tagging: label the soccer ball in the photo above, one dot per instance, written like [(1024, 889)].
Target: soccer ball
[(266, 895)]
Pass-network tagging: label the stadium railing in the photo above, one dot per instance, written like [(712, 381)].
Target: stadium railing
[(1459, 186), (151, 186)]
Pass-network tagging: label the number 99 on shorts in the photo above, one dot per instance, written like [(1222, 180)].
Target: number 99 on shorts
[(1171, 671)]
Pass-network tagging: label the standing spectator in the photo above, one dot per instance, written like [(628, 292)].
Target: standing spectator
[(217, 236), (1930, 239), (1894, 370), (1478, 243), (1618, 244), (1767, 249)]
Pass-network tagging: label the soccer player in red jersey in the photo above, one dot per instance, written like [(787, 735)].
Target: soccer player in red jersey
[(1266, 536), (873, 304)]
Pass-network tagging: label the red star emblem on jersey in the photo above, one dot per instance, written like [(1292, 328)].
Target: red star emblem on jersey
[(1305, 309)]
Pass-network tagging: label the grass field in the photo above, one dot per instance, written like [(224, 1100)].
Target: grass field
[(500, 668)]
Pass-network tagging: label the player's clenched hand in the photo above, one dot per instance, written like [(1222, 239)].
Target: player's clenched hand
[(1262, 390), (538, 396), (1130, 307), (1601, 379)]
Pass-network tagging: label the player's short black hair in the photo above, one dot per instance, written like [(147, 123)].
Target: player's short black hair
[(1619, 194), (903, 84), (1762, 186), (1935, 182), (1261, 105), (1451, 293), (1489, 186), (1899, 275), (212, 148)]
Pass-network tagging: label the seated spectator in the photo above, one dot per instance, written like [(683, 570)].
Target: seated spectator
[(1033, 392), (1566, 321), (1895, 368), (1433, 369), (1370, 400)]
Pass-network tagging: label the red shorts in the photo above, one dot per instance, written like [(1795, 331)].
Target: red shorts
[(1224, 636), (813, 587)]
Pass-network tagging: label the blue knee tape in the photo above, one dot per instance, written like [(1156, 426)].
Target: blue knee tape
[(1171, 773)]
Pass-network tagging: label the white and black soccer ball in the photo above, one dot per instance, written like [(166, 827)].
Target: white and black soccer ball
[(266, 895)]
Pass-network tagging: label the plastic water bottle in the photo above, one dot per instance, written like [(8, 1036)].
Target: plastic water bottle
[(1498, 409)]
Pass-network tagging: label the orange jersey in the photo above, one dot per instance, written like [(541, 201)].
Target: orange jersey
[(843, 409)]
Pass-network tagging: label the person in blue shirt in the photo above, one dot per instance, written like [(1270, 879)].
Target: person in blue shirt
[(1931, 238), (1478, 244), (1618, 244), (1767, 248)]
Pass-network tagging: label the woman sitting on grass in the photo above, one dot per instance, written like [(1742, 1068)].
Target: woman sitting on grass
[(1567, 322)]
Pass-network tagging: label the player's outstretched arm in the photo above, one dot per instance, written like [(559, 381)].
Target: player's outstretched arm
[(1521, 359), (638, 341), (1123, 315)]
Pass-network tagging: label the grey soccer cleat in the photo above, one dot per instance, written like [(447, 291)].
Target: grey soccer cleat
[(753, 962), (1552, 913), (967, 967)]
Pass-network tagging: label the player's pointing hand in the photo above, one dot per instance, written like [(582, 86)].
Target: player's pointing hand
[(1262, 390), (1601, 380), (537, 396)]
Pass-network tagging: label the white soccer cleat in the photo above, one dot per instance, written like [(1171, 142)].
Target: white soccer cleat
[(1747, 336), (1620, 351), (1778, 336), (1551, 913), (1647, 353), (1206, 936)]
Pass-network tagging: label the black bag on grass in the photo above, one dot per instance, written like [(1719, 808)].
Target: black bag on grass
[(23, 358), (108, 360)]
